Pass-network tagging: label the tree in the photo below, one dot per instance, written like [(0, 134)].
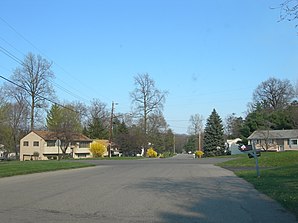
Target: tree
[(34, 78), (289, 10), (233, 126), (13, 120), (214, 142), (97, 121), (190, 144), (273, 94), (196, 127), (146, 99), (196, 124), (65, 122), (54, 118)]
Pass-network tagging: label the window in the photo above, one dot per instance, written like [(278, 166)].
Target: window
[(35, 143), (25, 143), (294, 142), (84, 144), (51, 143)]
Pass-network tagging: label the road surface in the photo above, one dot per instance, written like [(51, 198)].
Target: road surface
[(180, 189)]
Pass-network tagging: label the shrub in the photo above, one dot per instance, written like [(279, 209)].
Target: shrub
[(199, 153), (166, 155), (151, 153), (98, 149), (36, 155)]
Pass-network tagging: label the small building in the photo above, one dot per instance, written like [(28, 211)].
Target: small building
[(2, 152), (233, 145), (275, 140), (44, 145)]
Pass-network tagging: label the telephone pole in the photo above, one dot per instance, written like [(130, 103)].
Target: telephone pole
[(111, 129)]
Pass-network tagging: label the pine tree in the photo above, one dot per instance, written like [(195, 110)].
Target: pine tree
[(214, 136), (54, 118)]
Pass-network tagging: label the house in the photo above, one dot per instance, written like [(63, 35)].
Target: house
[(44, 145), (275, 140)]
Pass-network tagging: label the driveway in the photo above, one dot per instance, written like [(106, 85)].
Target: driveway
[(180, 189)]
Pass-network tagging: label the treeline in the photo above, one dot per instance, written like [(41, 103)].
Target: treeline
[(274, 107), (28, 102)]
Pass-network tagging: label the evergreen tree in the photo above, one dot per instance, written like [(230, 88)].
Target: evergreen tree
[(97, 130), (54, 118), (214, 136), (190, 144)]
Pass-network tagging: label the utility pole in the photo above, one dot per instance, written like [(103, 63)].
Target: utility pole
[(174, 141), (199, 141), (111, 129)]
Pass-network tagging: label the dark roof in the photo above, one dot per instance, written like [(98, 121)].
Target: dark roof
[(48, 135), (275, 134)]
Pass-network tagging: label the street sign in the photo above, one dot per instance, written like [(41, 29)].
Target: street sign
[(58, 143)]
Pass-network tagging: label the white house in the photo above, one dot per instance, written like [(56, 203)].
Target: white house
[(44, 145)]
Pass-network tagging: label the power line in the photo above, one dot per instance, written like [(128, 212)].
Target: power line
[(44, 98), (10, 55), (42, 53), (19, 61)]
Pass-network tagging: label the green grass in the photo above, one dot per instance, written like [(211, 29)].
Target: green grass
[(13, 168), (279, 176)]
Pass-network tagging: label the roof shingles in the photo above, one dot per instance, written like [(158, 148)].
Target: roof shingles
[(275, 134), (48, 135)]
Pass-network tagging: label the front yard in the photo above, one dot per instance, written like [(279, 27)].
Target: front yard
[(279, 176), (12, 168)]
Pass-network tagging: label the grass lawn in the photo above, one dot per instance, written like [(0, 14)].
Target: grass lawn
[(279, 176), (12, 168)]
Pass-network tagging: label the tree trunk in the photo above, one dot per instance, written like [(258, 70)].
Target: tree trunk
[(32, 112)]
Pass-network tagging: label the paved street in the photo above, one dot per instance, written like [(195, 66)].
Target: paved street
[(179, 189)]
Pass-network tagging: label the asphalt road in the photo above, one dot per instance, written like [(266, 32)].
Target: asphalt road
[(180, 189)]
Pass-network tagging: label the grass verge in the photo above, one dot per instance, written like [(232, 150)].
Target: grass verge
[(279, 176), (13, 168)]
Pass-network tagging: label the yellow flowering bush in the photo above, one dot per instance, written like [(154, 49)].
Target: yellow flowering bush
[(151, 153), (98, 149), (199, 153)]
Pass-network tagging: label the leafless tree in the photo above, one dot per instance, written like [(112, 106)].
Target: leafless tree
[(273, 93), (288, 10), (196, 128), (146, 98), (34, 78), (196, 124)]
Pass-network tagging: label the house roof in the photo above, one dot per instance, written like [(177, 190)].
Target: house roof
[(48, 135), (275, 134)]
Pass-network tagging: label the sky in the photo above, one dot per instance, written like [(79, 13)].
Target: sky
[(206, 54)]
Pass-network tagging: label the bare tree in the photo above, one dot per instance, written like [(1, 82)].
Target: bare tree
[(34, 78), (146, 98), (196, 124), (196, 127), (273, 93), (288, 10)]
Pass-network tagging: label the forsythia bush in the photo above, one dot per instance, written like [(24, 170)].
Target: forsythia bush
[(98, 149), (151, 153), (199, 153)]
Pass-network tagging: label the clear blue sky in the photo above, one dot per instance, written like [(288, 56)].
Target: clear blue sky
[(206, 54)]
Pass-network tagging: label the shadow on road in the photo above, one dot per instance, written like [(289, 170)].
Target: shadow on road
[(221, 199)]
